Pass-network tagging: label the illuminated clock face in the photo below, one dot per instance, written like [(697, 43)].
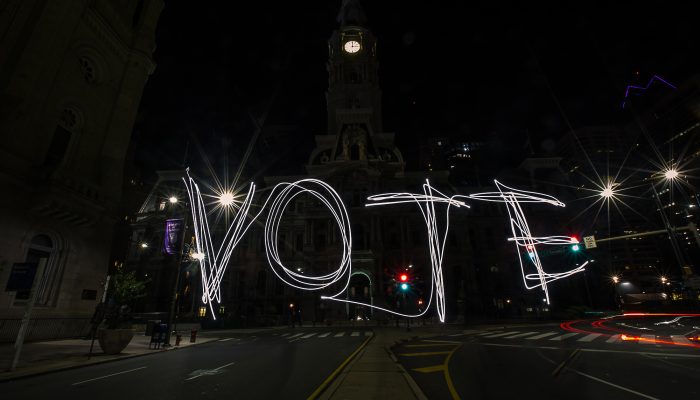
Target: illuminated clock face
[(352, 46)]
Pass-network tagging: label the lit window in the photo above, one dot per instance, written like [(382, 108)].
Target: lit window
[(202, 311)]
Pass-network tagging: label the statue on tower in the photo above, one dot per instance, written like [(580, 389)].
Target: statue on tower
[(351, 13)]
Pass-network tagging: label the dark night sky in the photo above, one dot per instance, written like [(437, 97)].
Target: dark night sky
[(447, 68)]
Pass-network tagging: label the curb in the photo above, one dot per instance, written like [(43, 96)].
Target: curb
[(407, 376), (332, 382), (69, 367)]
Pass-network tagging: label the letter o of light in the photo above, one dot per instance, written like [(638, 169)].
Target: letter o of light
[(334, 203)]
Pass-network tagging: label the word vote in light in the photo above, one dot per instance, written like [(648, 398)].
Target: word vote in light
[(217, 258)]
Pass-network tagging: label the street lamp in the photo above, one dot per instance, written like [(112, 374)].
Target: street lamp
[(198, 256), (615, 279), (144, 245), (671, 174), (226, 199), (172, 200)]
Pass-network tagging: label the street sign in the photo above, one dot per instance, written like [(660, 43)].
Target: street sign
[(589, 242)]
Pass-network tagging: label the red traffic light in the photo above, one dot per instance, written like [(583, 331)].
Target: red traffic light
[(403, 277)]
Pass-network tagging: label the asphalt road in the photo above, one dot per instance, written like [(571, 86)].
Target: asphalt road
[(571, 361), (288, 364)]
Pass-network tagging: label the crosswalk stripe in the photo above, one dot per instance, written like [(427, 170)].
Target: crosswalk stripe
[(590, 337), (355, 334), (500, 334), (519, 335), (544, 335), (613, 339), (293, 336), (648, 339), (324, 334), (680, 339), (226, 340), (487, 333), (564, 336), (339, 334), (368, 333), (286, 334), (308, 336)]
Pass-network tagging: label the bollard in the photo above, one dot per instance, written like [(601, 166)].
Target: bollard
[(193, 335)]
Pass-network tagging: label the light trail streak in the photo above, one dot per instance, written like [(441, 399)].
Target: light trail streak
[(522, 235), (214, 261)]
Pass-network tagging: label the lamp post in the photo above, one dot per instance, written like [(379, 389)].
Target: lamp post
[(176, 289)]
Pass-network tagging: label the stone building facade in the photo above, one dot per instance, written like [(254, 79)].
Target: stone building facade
[(71, 79)]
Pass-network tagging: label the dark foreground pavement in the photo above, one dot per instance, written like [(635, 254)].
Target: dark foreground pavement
[(271, 365), (578, 360)]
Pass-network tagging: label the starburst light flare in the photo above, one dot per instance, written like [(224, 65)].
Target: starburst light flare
[(523, 237)]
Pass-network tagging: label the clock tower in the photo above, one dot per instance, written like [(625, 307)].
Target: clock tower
[(353, 97)]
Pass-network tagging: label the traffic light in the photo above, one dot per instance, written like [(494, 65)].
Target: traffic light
[(575, 246), (403, 279)]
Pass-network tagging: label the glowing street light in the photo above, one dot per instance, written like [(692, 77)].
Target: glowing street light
[(671, 174), (663, 279), (172, 199), (198, 256), (144, 245), (226, 199), (615, 278), (607, 192)]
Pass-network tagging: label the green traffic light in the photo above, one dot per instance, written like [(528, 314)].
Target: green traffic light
[(575, 247), (404, 286)]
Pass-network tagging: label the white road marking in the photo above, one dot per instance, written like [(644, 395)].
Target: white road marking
[(500, 334), (286, 334), (613, 339), (588, 350), (487, 333), (324, 334), (613, 385), (208, 371), (226, 340), (519, 335), (590, 337), (355, 334), (648, 339), (295, 335), (465, 332), (107, 376), (544, 335), (308, 336), (680, 339), (339, 334), (564, 336)]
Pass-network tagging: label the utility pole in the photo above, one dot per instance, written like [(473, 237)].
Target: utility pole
[(19, 342), (176, 289)]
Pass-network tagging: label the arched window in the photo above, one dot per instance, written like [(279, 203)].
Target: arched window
[(41, 249)]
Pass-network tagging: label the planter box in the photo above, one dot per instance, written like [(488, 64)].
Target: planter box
[(113, 341)]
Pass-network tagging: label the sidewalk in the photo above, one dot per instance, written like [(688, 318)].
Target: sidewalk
[(55, 355), (374, 372)]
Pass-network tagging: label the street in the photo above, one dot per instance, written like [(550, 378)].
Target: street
[(288, 364), (572, 360)]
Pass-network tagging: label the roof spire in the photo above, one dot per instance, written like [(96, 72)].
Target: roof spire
[(351, 13)]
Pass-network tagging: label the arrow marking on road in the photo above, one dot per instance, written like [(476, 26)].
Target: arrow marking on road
[(202, 372)]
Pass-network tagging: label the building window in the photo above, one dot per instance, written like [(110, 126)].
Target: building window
[(57, 147), (41, 249)]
